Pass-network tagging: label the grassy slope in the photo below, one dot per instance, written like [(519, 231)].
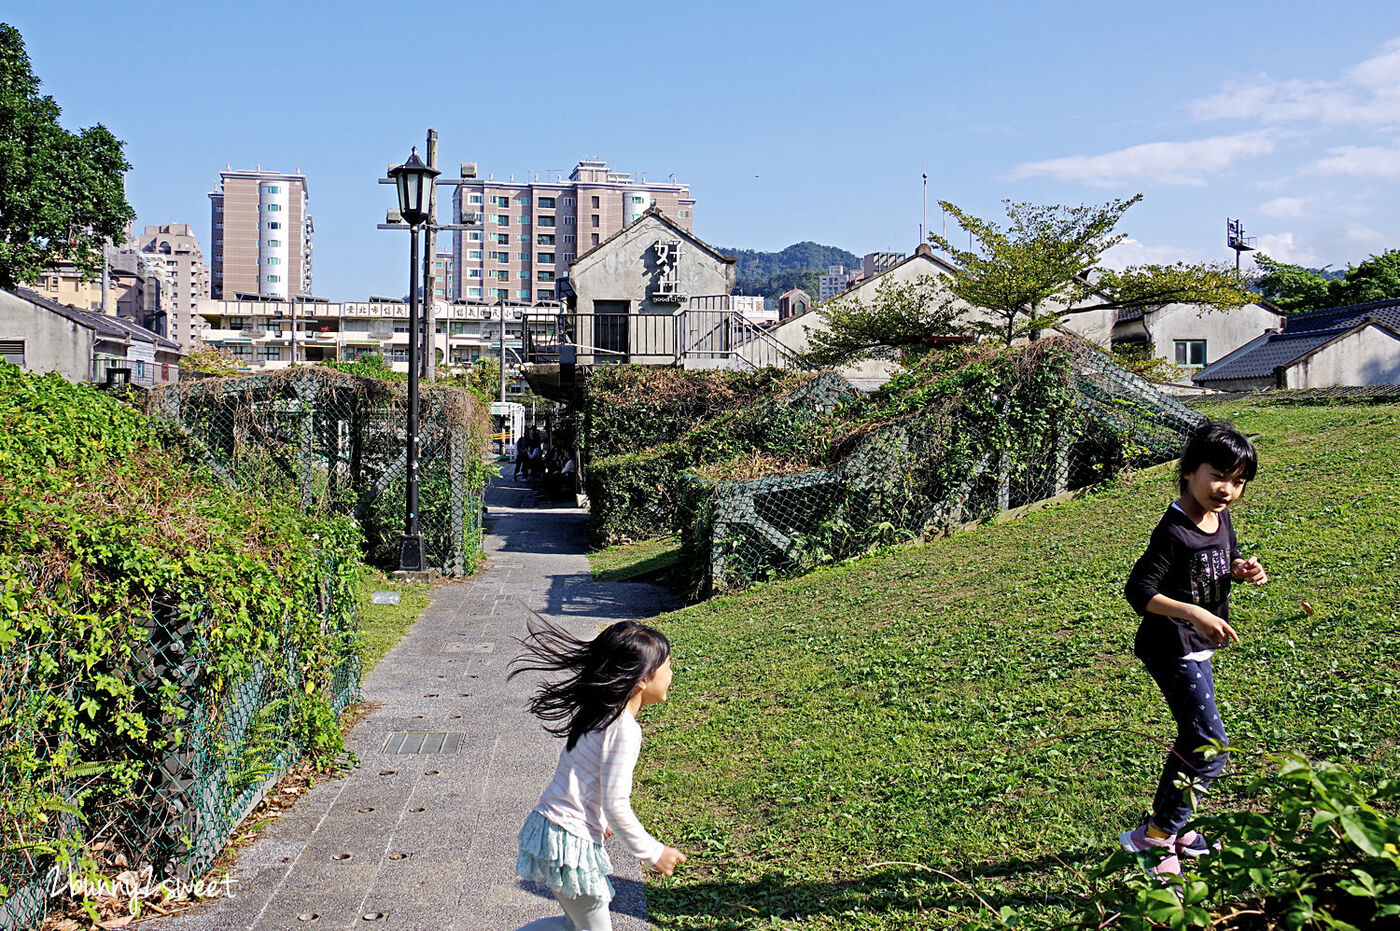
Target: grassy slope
[(972, 706), (383, 626), (628, 562)]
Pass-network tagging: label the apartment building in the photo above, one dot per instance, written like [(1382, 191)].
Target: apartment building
[(444, 277), (174, 247), (128, 286), (268, 334), (832, 283), (525, 234), (262, 231)]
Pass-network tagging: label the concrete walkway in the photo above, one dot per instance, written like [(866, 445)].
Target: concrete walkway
[(430, 836)]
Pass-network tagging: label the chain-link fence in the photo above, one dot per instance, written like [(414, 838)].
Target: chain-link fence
[(337, 443), (160, 791), (935, 451)]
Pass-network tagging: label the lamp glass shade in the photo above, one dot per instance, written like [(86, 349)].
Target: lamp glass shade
[(413, 179)]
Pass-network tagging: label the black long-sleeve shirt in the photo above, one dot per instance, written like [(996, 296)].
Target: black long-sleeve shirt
[(1186, 564)]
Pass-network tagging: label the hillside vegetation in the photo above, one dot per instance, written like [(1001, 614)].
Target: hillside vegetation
[(937, 733), (772, 274)]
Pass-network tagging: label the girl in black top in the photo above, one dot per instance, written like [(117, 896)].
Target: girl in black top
[(1181, 588)]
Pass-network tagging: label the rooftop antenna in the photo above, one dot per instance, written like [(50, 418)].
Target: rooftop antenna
[(923, 226), (1236, 239)]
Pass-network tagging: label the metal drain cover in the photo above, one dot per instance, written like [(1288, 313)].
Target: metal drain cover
[(424, 742), (468, 648)]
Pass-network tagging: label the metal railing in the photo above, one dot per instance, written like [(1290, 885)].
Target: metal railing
[(704, 334)]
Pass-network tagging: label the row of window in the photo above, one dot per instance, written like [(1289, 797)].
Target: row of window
[(523, 200)]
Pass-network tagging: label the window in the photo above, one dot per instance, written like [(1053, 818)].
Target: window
[(568, 202), (273, 279), (274, 243), (546, 221), (273, 260), (547, 203), (595, 239), (473, 292), (272, 224), (356, 325), (501, 274), (523, 200), (568, 256), (269, 355), (524, 275), (474, 199), (595, 202), (525, 219), (545, 239), (595, 221), (239, 351), (474, 253), (474, 236), (636, 200), (459, 327), (544, 294), (546, 258), (568, 238), (473, 273), (524, 294), (1191, 352), (545, 276), (523, 256), (438, 325), (273, 189), (500, 256), (502, 219), (400, 324), (274, 207), (500, 201), (502, 293)]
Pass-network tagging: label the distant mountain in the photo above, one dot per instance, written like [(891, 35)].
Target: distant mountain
[(771, 274)]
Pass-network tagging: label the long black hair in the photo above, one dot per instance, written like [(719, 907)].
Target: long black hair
[(1219, 444), (602, 673)]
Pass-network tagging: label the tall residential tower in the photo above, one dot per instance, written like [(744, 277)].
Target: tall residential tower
[(525, 233), (262, 235)]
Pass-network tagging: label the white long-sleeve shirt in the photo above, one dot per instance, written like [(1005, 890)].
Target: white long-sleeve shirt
[(592, 789)]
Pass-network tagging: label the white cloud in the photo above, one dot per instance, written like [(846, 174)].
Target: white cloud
[(1370, 161), (1182, 163), (1367, 93), (1366, 238), (1283, 207), (1285, 248), (1133, 252)]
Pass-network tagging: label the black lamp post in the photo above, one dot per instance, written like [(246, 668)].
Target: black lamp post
[(414, 181)]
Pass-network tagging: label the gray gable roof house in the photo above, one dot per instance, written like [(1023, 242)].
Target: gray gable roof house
[(1355, 345), (41, 335)]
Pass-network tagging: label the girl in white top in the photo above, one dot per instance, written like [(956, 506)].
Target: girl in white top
[(609, 679)]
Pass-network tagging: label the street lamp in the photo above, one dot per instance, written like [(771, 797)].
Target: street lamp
[(414, 181)]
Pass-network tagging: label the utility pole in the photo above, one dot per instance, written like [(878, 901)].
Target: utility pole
[(428, 357), (503, 348)]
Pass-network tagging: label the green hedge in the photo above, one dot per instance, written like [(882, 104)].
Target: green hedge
[(636, 496), (165, 642)]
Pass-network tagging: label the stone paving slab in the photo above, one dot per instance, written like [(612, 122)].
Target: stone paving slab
[(454, 814)]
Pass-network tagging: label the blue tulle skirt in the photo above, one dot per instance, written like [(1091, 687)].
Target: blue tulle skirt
[(569, 865)]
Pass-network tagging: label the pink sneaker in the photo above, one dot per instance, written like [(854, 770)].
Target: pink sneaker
[(1194, 844), (1137, 841)]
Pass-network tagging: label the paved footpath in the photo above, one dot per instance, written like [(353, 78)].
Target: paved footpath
[(426, 840)]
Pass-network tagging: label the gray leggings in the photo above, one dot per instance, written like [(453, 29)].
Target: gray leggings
[(582, 913)]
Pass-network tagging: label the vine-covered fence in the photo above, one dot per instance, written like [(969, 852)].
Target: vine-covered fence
[(959, 438), (168, 644), (334, 443)]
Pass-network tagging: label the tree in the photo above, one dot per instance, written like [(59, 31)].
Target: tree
[(1049, 259), (903, 319), (61, 194), (1294, 289), (1291, 288), (209, 360), (1376, 279)]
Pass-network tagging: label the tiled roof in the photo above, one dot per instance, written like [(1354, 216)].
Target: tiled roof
[(1302, 333), (111, 327)]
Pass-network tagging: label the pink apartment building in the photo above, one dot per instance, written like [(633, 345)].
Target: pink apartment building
[(525, 234)]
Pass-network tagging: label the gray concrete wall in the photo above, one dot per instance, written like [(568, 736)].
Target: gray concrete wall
[(1370, 356), (1223, 330), (52, 343), (625, 270)]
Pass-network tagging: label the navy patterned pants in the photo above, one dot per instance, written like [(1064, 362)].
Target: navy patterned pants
[(1189, 688)]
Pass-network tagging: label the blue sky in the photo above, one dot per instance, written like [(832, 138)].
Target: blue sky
[(790, 121)]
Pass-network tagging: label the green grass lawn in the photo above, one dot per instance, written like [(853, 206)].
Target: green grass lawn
[(630, 562), (880, 743), (383, 626)]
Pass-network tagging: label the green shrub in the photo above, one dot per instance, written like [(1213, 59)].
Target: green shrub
[(152, 623)]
